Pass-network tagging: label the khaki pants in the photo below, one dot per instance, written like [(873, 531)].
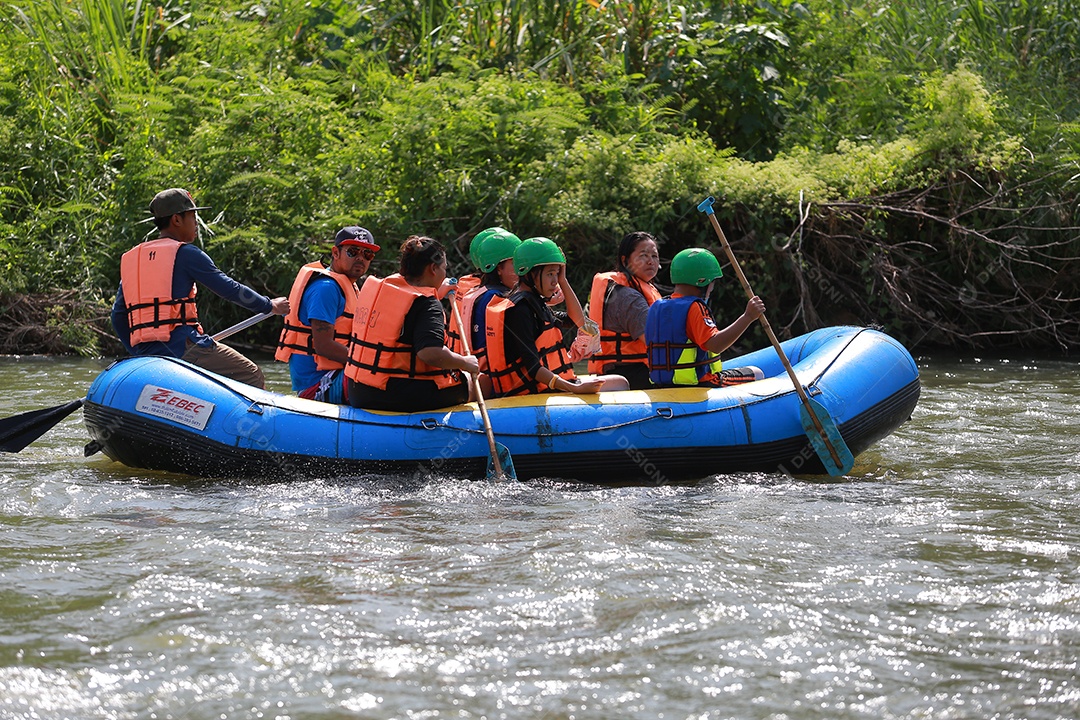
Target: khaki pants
[(223, 360)]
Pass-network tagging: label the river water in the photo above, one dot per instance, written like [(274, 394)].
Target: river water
[(938, 580)]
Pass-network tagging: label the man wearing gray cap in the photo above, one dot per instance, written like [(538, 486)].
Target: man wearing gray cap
[(154, 312)]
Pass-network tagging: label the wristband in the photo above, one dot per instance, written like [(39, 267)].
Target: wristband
[(551, 384)]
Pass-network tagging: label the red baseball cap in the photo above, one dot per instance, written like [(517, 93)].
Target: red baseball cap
[(354, 235)]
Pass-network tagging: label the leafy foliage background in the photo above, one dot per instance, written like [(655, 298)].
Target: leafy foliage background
[(907, 164)]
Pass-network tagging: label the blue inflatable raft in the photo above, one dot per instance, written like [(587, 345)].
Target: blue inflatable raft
[(164, 414)]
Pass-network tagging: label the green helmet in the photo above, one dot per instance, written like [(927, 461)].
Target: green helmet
[(536, 251), (498, 246), (695, 266), (478, 242)]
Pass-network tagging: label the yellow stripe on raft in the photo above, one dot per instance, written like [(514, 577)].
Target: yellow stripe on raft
[(622, 397)]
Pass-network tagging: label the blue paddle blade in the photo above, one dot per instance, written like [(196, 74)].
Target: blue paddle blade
[(505, 461), (843, 461)]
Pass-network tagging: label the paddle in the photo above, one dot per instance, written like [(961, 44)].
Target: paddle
[(500, 464), (18, 431), (242, 325), (819, 427)]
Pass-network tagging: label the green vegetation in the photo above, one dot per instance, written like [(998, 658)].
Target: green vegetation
[(907, 164)]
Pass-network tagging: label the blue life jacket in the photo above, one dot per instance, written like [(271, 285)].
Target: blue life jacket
[(674, 359)]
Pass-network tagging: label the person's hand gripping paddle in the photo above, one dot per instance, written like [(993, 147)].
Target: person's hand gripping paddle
[(818, 425)]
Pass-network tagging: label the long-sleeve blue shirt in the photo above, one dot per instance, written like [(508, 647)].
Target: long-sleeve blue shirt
[(192, 266)]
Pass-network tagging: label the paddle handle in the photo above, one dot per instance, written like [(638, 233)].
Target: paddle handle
[(706, 207), (475, 379), (242, 325)]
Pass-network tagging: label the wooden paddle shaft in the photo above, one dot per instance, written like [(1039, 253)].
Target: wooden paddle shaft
[(476, 384), (772, 338)]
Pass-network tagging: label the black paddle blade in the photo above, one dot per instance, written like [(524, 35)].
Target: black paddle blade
[(18, 431)]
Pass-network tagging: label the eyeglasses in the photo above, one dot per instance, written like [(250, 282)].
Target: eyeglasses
[(366, 252)]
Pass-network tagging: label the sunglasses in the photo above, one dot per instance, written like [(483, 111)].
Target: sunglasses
[(367, 253)]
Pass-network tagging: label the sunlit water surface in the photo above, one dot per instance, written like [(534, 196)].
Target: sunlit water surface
[(938, 580)]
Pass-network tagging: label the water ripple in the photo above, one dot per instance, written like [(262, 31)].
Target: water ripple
[(939, 580)]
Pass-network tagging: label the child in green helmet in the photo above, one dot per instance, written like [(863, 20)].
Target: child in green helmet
[(683, 342), (491, 252), (525, 343), (495, 259)]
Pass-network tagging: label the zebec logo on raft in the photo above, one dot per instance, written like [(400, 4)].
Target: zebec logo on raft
[(179, 407)]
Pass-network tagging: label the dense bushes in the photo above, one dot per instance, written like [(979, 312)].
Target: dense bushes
[(870, 166)]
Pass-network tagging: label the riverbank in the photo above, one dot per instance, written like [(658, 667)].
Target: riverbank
[(67, 322), (64, 322)]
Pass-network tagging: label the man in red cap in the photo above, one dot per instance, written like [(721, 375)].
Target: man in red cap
[(154, 312), (315, 338)]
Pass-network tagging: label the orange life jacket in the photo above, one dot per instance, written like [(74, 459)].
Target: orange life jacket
[(465, 285), (376, 352), (468, 308), (508, 376), (296, 336), (616, 347), (146, 276)]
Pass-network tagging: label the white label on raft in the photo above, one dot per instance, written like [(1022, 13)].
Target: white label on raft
[(171, 405)]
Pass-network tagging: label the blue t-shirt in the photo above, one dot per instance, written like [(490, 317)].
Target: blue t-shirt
[(192, 266), (322, 300)]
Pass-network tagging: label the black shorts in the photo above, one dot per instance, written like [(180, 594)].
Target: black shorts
[(405, 395)]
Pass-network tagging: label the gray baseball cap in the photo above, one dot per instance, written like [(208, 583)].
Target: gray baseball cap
[(170, 202)]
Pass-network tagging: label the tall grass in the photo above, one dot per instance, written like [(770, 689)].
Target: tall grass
[(1016, 44), (87, 53), (581, 119), (720, 64), (563, 37)]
